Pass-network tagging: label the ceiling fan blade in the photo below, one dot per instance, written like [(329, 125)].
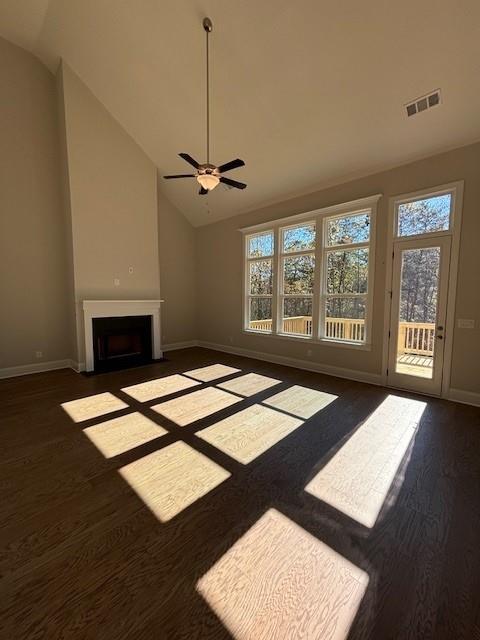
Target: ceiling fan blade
[(233, 183), (233, 164), (189, 159), (202, 191), (181, 175)]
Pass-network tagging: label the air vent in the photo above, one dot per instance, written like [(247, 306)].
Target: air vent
[(423, 103)]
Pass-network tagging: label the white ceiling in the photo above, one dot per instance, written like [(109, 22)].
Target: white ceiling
[(306, 92)]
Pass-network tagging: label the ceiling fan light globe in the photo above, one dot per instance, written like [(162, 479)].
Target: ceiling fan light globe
[(208, 181)]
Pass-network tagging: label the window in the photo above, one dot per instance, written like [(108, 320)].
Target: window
[(312, 279), (346, 275), (260, 249), (298, 266), (429, 215)]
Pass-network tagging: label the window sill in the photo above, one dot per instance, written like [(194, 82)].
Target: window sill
[(325, 342)]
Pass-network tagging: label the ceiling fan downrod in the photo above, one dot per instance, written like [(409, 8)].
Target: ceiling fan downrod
[(208, 26)]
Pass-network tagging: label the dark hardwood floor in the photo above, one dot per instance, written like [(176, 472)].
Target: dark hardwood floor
[(83, 556)]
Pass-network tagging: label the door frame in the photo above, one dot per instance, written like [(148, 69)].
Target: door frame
[(417, 384), (456, 189)]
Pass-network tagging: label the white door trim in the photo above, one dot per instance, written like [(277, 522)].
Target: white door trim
[(431, 386), (117, 308), (456, 189)]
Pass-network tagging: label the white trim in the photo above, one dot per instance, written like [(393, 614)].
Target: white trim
[(34, 367), (78, 367), (173, 346), (456, 189), (457, 210), (318, 219), (118, 308), (465, 397), (354, 206), (329, 370), (325, 342)]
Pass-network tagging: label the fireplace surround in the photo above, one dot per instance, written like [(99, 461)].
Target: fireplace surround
[(121, 333)]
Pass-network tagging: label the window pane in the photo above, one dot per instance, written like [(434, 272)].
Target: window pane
[(347, 271), (424, 216), (419, 288), (420, 273), (261, 277), (299, 238), (261, 245), (345, 318), (297, 316), (349, 229), (298, 274), (260, 314)]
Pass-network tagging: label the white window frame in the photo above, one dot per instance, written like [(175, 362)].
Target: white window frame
[(317, 217), (425, 194), (248, 296), (282, 296), (370, 245)]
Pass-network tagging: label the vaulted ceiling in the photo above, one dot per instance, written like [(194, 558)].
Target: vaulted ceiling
[(307, 93)]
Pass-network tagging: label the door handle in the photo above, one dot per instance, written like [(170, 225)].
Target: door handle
[(439, 337)]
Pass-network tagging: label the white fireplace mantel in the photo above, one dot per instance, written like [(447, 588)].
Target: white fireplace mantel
[(115, 308)]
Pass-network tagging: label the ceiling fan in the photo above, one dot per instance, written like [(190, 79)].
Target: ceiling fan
[(209, 175)]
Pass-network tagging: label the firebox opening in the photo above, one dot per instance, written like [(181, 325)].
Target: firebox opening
[(121, 342)]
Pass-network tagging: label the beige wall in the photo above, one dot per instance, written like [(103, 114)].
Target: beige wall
[(56, 253), (177, 274), (113, 203), (33, 286), (219, 269)]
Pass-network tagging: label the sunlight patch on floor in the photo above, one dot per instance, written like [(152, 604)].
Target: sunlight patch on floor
[(278, 581), (249, 384), (249, 433), (93, 406), (212, 372), (171, 479), (300, 401), (357, 479), (119, 435), (414, 370), (196, 405), (152, 389)]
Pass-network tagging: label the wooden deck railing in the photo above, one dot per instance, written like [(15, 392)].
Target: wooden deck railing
[(416, 338), (413, 337), (345, 329), (340, 328)]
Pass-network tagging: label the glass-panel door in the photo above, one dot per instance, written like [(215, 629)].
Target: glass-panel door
[(417, 331)]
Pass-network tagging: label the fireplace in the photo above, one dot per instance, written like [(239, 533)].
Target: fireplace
[(118, 341), (121, 342)]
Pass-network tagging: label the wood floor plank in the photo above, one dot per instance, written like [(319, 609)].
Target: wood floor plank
[(85, 553)]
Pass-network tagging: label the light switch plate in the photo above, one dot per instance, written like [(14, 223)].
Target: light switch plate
[(116, 282), (465, 324)]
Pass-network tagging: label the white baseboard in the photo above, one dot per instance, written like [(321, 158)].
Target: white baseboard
[(180, 345), (465, 397), (78, 367), (36, 367), (329, 370)]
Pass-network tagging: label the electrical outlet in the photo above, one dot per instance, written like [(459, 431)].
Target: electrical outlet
[(465, 324), (116, 282), (39, 354), (130, 270), (309, 353)]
